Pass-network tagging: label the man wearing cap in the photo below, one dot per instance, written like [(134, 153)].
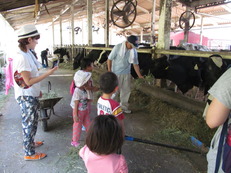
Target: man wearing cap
[(119, 62), (27, 88)]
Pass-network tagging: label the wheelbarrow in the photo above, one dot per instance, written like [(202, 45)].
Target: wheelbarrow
[(46, 108)]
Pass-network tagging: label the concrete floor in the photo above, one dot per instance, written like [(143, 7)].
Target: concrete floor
[(63, 158)]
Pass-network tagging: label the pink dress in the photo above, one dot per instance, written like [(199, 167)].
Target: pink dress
[(112, 163)]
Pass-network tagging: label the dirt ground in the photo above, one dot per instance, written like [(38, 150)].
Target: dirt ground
[(63, 158)]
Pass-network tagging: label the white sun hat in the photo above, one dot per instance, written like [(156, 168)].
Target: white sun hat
[(81, 77), (27, 31)]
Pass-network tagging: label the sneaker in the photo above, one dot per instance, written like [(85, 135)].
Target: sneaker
[(127, 111), (36, 156), (83, 128), (75, 144), (38, 143)]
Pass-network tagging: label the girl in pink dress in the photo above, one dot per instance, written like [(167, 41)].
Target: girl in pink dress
[(104, 139)]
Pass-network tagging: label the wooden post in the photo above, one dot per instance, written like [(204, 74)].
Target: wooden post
[(141, 35), (53, 34), (201, 31), (60, 28), (164, 30), (89, 21), (152, 41), (72, 32), (106, 30), (186, 29), (164, 24)]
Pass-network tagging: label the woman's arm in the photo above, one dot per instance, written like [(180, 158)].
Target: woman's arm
[(30, 81), (217, 114)]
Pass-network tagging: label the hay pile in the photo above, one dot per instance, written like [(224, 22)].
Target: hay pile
[(68, 65), (176, 124)]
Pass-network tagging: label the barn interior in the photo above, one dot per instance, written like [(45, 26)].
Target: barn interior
[(153, 24), (21, 12)]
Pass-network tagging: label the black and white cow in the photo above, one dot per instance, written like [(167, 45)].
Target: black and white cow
[(145, 61), (78, 58), (211, 69), (178, 69), (97, 56), (187, 72), (63, 53)]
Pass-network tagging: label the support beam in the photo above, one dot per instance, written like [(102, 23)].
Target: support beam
[(106, 30), (39, 13), (141, 35), (64, 10), (53, 34), (72, 32), (164, 24), (153, 18), (186, 29), (142, 9), (201, 31), (61, 33), (89, 21)]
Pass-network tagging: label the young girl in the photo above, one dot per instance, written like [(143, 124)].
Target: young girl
[(104, 139), (79, 104)]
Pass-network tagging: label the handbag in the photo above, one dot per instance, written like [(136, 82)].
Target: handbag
[(19, 80)]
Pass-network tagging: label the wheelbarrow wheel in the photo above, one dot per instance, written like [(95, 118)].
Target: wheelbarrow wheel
[(44, 119)]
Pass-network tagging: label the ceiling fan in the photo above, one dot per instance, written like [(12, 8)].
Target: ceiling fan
[(123, 13), (187, 20)]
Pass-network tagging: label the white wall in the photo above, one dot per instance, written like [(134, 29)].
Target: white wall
[(8, 38)]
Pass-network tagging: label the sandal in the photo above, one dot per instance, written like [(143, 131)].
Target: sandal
[(38, 143), (36, 156)]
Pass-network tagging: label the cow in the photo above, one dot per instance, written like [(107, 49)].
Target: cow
[(178, 69), (211, 69), (181, 71), (78, 58), (96, 56), (62, 52), (145, 61)]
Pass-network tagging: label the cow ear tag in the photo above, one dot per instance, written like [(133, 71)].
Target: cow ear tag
[(196, 67)]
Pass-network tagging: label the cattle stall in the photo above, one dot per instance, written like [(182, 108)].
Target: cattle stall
[(168, 96)]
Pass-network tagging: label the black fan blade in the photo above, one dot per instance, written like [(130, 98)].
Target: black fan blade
[(125, 19), (118, 13), (127, 7)]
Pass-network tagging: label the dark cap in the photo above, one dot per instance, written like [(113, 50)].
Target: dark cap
[(133, 39)]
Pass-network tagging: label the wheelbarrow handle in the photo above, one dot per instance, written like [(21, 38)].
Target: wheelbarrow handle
[(49, 86)]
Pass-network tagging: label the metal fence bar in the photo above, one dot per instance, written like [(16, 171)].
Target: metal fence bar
[(205, 54)]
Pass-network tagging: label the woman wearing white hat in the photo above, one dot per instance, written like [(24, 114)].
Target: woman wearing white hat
[(27, 88)]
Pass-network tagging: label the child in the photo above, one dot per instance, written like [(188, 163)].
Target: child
[(104, 138), (87, 66), (105, 106), (79, 104)]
